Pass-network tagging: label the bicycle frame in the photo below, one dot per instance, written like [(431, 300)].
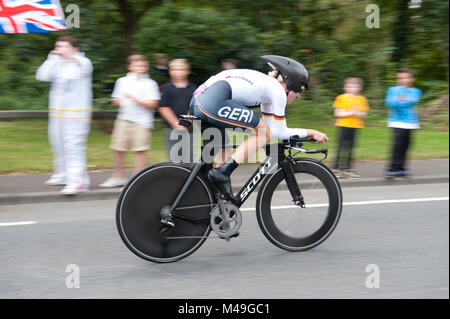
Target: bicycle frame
[(264, 169)]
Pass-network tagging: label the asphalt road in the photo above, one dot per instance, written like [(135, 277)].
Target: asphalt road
[(401, 245)]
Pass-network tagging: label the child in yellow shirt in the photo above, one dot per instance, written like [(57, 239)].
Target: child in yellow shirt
[(350, 110)]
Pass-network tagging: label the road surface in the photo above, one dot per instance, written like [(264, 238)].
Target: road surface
[(399, 234)]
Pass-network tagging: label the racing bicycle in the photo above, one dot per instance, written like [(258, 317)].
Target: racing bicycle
[(168, 210)]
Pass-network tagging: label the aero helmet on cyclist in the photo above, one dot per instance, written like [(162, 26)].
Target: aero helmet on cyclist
[(294, 74)]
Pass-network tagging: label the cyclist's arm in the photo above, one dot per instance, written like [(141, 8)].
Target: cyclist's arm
[(273, 114), (277, 120), (282, 132), (279, 129)]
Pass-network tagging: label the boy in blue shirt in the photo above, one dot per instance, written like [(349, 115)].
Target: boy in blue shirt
[(402, 103)]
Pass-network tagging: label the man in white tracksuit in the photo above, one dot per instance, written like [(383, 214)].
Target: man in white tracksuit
[(70, 109)]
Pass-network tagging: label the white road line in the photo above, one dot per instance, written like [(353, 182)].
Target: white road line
[(393, 201), (370, 202), (17, 223)]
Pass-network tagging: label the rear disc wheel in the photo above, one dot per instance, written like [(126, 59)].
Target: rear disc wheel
[(142, 204)]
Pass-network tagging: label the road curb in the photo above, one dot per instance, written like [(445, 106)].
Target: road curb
[(51, 197), (104, 194)]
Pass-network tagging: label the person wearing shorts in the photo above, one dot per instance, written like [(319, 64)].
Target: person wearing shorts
[(137, 97), (129, 136), (224, 101)]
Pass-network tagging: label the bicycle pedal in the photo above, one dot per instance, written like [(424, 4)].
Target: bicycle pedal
[(227, 238), (235, 235)]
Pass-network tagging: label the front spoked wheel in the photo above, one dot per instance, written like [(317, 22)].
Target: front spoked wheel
[(292, 227), (143, 203)]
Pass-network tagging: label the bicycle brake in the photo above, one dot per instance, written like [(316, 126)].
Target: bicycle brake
[(300, 202)]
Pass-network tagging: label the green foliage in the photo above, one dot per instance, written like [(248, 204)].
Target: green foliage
[(204, 36), (328, 36)]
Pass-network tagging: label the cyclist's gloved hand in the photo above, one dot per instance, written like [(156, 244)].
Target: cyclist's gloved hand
[(319, 137)]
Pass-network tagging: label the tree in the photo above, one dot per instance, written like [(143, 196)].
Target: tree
[(204, 36), (132, 13), (401, 31)]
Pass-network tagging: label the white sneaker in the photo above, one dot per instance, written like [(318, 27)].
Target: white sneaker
[(73, 190), (55, 181), (114, 182)]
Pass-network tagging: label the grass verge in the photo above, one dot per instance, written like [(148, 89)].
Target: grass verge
[(24, 146)]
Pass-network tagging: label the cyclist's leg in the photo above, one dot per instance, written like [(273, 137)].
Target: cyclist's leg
[(221, 174), (260, 136), (222, 155), (215, 107)]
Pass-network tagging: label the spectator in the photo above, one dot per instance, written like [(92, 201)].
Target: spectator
[(402, 103), (176, 96), (161, 74), (350, 110), (70, 108), (228, 64), (137, 97)]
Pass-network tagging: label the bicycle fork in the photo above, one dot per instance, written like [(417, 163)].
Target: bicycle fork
[(292, 184)]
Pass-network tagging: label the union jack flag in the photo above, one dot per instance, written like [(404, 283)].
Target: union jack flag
[(31, 16)]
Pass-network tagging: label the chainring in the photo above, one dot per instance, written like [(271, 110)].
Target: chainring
[(223, 226)]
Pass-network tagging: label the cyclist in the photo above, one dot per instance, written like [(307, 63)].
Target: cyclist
[(223, 99)]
